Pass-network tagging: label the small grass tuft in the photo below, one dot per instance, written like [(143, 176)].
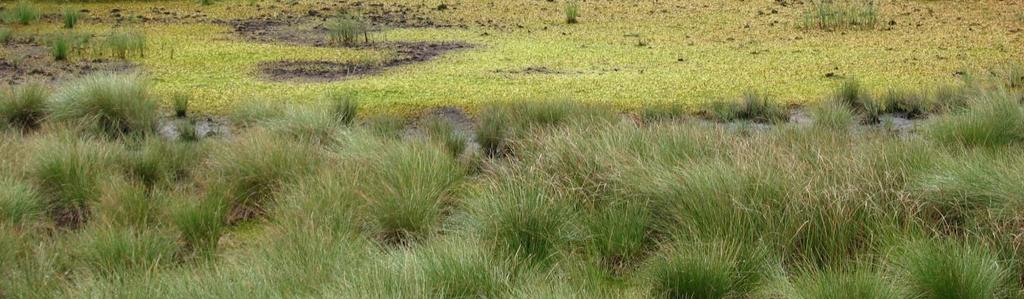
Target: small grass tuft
[(906, 103), (114, 104), (841, 14), (494, 132), (851, 94), (124, 44), (443, 132), (5, 35), (834, 116), (24, 13), (572, 11), (60, 45), (24, 106), (180, 103), (71, 16), (346, 30)]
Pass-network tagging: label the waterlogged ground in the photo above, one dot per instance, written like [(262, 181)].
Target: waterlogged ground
[(627, 53)]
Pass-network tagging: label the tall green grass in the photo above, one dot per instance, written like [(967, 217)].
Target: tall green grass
[(118, 252)]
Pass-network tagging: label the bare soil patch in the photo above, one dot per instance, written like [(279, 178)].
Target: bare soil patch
[(26, 61), (318, 70)]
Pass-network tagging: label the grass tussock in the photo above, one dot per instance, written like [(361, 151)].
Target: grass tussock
[(933, 269), (67, 172), (20, 203), (24, 106), (252, 170), (705, 270), (113, 104)]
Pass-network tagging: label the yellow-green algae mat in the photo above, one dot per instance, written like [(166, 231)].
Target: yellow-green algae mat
[(625, 53)]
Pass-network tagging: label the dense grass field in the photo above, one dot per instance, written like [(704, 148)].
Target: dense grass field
[(512, 149)]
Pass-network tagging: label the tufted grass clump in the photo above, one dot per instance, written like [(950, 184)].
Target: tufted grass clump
[(831, 115), (443, 132), (20, 203), (201, 222), (344, 107), (993, 119), (520, 219), (180, 103), (125, 44), (906, 103), (347, 30), (572, 11), (116, 252), (252, 170), (945, 269), (859, 282), (114, 104), (705, 270), (841, 14), (24, 106), (24, 12), (859, 100), (68, 172), (70, 17), (751, 107), (158, 162), (406, 188), (61, 45)]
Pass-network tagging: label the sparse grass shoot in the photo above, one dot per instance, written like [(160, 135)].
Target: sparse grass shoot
[(70, 17), (572, 11), (24, 12)]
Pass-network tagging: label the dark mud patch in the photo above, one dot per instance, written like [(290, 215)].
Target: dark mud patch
[(310, 29), (319, 71), (25, 62)]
